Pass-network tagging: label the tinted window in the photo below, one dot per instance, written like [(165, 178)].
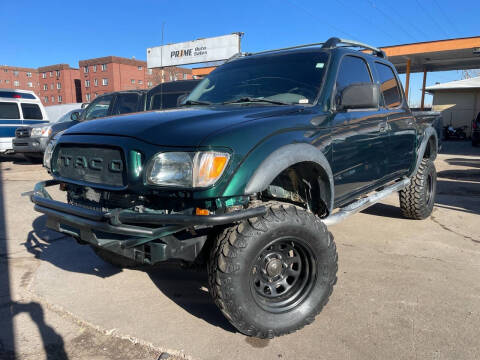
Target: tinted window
[(98, 108), (126, 103), (291, 78), (353, 70), (17, 95), (164, 101), (389, 85), (31, 111), (9, 111)]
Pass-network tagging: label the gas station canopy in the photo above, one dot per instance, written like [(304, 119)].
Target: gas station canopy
[(441, 55)]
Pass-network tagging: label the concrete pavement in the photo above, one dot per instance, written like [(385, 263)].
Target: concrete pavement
[(406, 289)]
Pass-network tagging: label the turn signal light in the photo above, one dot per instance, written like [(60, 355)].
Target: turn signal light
[(199, 211)]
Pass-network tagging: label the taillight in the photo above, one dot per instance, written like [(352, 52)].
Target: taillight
[(16, 96), (474, 125)]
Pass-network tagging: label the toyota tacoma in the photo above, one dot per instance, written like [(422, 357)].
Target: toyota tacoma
[(265, 153)]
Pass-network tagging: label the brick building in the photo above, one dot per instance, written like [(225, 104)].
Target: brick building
[(113, 73), (13, 77), (59, 84)]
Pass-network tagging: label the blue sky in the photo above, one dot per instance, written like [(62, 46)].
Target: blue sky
[(39, 33)]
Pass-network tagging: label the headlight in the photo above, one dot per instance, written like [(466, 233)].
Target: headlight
[(47, 155), (45, 131), (184, 169)]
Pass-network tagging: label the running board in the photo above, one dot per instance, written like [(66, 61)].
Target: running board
[(364, 203)]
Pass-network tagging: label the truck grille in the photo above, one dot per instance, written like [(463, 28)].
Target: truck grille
[(22, 132), (104, 166)]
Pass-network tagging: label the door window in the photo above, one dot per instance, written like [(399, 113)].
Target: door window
[(31, 112), (98, 108), (353, 70), (389, 85), (126, 103), (9, 110)]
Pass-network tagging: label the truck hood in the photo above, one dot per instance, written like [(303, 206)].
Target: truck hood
[(179, 127)]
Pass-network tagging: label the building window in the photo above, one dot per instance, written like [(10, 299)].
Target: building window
[(51, 86), (29, 74), (7, 81), (16, 83), (5, 70), (95, 94), (171, 77), (53, 99), (57, 72), (104, 67), (132, 81), (94, 68), (51, 73), (44, 75), (95, 82), (85, 69), (184, 76), (175, 77), (15, 73), (45, 99), (59, 98), (87, 83), (149, 71), (29, 84), (104, 81), (140, 67), (150, 84), (140, 82), (59, 86), (45, 87), (87, 97)]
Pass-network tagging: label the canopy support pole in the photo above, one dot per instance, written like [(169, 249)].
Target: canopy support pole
[(423, 89)]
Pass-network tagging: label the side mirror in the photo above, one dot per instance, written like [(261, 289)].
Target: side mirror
[(360, 96), (75, 116), (84, 105), (181, 98)]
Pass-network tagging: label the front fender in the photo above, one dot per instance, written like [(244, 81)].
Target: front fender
[(429, 137), (264, 164)]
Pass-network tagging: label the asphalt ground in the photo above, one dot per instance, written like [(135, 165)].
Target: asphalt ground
[(406, 289)]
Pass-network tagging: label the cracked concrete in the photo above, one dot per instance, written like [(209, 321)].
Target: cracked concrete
[(406, 289)]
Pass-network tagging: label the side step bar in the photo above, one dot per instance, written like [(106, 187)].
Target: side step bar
[(364, 203)]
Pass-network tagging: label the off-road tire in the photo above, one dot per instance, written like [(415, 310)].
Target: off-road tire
[(417, 199), (232, 269), (118, 261)]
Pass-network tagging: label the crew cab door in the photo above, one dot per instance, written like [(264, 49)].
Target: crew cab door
[(359, 137), (401, 123)]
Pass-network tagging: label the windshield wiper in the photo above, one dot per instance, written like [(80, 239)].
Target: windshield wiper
[(254, 100), (196, 102)]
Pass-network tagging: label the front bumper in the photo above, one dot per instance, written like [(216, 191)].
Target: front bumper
[(162, 236), (30, 144)]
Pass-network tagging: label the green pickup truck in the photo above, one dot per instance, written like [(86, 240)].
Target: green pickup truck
[(265, 153)]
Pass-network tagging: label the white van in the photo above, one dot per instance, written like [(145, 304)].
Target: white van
[(18, 108)]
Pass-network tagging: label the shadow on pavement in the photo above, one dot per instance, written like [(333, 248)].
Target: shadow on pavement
[(475, 163), (188, 289), (385, 210), (53, 343), (459, 148), (64, 252)]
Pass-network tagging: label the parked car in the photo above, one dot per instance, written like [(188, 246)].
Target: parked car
[(31, 141), (161, 97), (476, 131), (18, 108), (268, 150)]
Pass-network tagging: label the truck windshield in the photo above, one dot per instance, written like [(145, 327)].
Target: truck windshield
[(293, 78)]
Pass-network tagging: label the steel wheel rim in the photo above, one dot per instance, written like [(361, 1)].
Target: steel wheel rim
[(283, 274)]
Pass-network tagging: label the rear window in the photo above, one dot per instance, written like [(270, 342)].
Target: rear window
[(164, 101), (126, 103), (9, 111), (31, 111), (16, 95), (389, 85)]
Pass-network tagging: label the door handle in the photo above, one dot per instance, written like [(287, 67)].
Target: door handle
[(383, 127)]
